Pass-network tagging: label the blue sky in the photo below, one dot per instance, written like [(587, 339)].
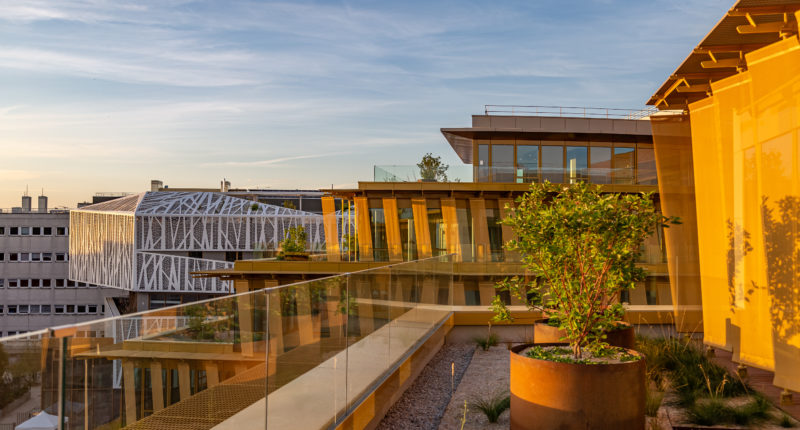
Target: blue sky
[(104, 95)]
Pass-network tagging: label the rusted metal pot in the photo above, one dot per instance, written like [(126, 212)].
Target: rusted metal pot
[(621, 337), (548, 395)]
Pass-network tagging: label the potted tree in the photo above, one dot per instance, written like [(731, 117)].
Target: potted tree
[(582, 247), (293, 246)]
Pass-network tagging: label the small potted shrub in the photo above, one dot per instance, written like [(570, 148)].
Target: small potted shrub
[(581, 245), (293, 246)]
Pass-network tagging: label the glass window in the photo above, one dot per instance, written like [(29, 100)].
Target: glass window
[(23, 283), (482, 173), (45, 282), (24, 256), (503, 163), (34, 283), (23, 309), (61, 231), (47, 256), (553, 164), (34, 309), (408, 234), (464, 217), (2, 230), (92, 309), (61, 256), (577, 163), (81, 309), (36, 231), (13, 283), (45, 309), (600, 172), (12, 309), (13, 231), (380, 247), (495, 234), (47, 231), (2, 256), (60, 283), (36, 256), (25, 231), (70, 309), (646, 167), (13, 256), (59, 309), (623, 165), (437, 231), (527, 164)]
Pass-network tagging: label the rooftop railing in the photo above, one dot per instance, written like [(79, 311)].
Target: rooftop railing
[(300, 356), (569, 111)]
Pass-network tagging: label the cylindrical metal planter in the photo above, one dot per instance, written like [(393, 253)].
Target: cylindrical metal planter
[(622, 337), (548, 395)]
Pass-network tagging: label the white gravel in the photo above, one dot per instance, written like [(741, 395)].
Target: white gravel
[(422, 405)]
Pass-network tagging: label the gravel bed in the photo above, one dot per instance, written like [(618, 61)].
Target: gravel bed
[(486, 376), (424, 402)]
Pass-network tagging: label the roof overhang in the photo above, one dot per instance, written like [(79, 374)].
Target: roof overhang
[(747, 26)]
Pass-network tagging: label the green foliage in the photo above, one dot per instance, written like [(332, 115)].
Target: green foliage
[(688, 369), (288, 204), (294, 242), (786, 422), (493, 406), (564, 354), (432, 169), (713, 411), (652, 402), (254, 207), (486, 342), (22, 372), (582, 247)]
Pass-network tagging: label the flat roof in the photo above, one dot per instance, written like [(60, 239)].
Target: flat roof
[(747, 26)]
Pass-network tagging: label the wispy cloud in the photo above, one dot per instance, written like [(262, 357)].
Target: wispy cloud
[(271, 161)]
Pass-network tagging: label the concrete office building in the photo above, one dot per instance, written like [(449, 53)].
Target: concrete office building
[(35, 290)]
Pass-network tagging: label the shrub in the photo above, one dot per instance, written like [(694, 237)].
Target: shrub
[(493, 406), (582, 247), (486, 342), (653, 402)]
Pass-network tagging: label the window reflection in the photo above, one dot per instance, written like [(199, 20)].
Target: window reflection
[(553, 164), (527, 164), (623, 165), (601, 165), (503, 163), (577, 163)]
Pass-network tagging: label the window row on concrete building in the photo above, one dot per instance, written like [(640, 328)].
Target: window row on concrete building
[(52, 309), (32, 231), (33, 257), (43, 283)]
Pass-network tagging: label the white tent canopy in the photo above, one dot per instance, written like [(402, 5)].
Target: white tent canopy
[(41, 421)]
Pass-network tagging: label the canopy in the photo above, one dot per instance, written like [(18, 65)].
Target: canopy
[(41, 421)]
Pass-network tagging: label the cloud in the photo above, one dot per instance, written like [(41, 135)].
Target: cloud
[(272, 161)]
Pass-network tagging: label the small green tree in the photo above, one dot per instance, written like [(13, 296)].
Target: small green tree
[(295, 240), (432, 169), (288, 204), (582, 247)]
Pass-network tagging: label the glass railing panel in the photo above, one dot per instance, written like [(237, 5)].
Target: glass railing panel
[(194, 365), (411, 173), (23, 359), (309, 327)]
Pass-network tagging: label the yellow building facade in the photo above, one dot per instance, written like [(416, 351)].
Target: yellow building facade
[(740, 92)]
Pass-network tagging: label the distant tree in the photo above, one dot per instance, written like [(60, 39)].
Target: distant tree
[(432, 169), (288, 204)]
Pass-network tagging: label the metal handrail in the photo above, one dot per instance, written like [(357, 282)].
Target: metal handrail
[(570, 111)]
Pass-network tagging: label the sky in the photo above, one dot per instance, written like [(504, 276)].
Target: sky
[(105, 95)]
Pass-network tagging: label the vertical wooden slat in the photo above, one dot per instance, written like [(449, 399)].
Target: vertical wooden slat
[(363, 229), (331, 228), (392, 229), (450, 217), (421, 228), (480, 229)]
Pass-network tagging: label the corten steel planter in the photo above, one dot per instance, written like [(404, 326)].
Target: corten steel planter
[(543, 333), (548, 395)]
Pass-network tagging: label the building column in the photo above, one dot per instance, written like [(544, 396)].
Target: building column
[(487, 292), (459, 296), (184, 380), (129, 381), (212, 374), (245, 315), (450, 218), (157, 385)]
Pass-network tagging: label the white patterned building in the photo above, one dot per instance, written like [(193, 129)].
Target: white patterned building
[(151, 242)]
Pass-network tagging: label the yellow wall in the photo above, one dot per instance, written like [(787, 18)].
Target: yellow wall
[(744, 141), (673, 150)]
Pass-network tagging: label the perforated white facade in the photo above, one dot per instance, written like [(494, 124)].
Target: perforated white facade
[(141, 242)]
